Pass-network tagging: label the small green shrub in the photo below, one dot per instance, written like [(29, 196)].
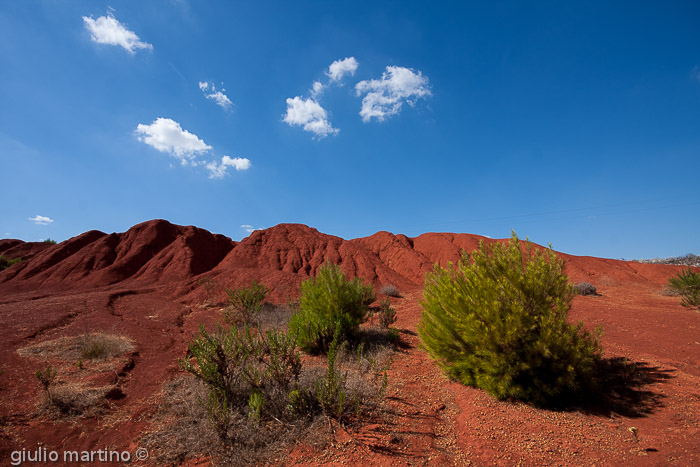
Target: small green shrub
[(328, 301), (236, 364), (498, 321), (50, 241), (387, 314), (46, 378), (247, 301), (6, 262), (585, 288), (330, 391), (687, 284)]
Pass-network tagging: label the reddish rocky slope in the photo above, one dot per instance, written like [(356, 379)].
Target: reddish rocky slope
[(158, 252)]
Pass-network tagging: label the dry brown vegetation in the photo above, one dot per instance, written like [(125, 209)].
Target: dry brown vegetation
[(88, 346)]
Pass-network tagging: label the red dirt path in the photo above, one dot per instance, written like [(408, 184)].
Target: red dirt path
[(148, 284)]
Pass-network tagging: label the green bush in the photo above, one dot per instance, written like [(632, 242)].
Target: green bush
[(6, 262), (387, 314), (498, 321), (244, 371), (50, 241), (687, 284), (328, 301), (247, 301)]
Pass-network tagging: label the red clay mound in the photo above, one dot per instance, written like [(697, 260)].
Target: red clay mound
[(152, 252), (12, 248), (158, 252)]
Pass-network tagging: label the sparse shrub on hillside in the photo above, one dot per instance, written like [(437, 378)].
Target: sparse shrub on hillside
[(390, 290), (46, 377), (255, 378), (687, 284), (585, 288), (327, 301), (387, 314), (237, 363), (498, 320), (6, 262), (209, 286), (50, 241), (247, 301)]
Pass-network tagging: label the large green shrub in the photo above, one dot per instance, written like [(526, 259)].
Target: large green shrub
[(328, 301), (498, 321), (687, 284)]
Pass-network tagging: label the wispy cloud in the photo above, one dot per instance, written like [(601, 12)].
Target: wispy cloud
[(340, 68), (384, 97), (108, 30), (219, 169), (219, 97), (309, 114), (167, 136), (41, 220), (249, 228)]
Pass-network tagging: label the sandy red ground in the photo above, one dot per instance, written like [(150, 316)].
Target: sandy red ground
[(146, 284)]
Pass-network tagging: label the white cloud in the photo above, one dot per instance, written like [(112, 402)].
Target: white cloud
[(340, 68), (249, 228), (385, 96), (167, 135), (217, 96), (41, 220), (309, 114), (317, 89), (107, 30), (219, 169)]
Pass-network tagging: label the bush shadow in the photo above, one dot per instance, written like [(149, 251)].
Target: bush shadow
[(621, 388)]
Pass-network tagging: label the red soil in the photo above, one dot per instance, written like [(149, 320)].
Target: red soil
[(148, 283)]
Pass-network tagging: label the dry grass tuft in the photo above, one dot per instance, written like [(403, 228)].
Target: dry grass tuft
[(93, 346), (74, 400), (585, 288), (390, 290)]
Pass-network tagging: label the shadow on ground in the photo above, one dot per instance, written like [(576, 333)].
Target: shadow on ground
[(623, 389)]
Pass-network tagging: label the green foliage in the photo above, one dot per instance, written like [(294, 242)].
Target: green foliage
[(387, 314), (256, 402), (50, 242), (393, 335), (235, 364), (327, 302), (498, 321), (6, 262), (687, 284), (46, 378), (330, 391), (247, 301)]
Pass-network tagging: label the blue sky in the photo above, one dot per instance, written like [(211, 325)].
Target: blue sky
[(573, 123)]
